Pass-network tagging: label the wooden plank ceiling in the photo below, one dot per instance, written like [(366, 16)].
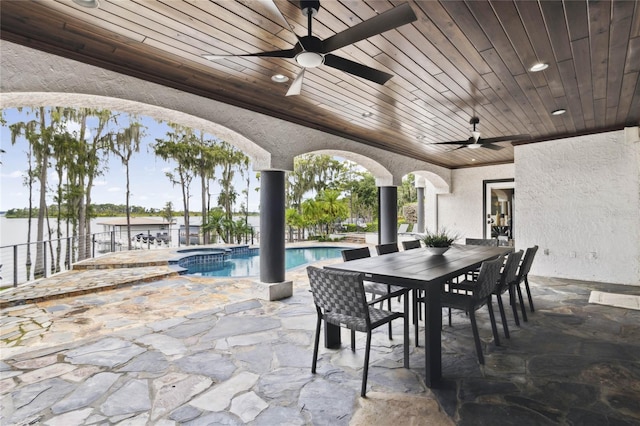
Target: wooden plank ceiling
[(459, 59)]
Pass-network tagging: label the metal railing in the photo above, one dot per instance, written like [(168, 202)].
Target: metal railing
[(20, 263)]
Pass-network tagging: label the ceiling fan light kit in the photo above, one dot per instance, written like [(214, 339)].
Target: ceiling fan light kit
[(310, 59), (312, 52)]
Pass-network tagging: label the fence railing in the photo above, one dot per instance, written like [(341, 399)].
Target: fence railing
[(20, 263)]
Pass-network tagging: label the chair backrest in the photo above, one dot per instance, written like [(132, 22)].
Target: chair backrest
[(525, 267), (411, 244), (488, 278), (509, 272), (338, 292), (403, 228), (356, 253), (481, 242), (387, 248)]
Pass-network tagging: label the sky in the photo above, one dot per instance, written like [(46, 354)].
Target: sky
[(149, 185)]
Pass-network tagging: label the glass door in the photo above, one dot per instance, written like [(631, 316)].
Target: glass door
[(498, 208)]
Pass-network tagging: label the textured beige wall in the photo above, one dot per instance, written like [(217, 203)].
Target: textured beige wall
[(579, 199), (461, 210)]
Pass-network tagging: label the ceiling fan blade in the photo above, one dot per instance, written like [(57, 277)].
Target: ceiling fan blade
[(386, 21), (505, 138), (288, 53), (356, 69), (273, 8), (296, 86), (491, 146), (465, 143)]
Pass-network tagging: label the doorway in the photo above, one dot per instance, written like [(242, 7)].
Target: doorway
[(498, 208)]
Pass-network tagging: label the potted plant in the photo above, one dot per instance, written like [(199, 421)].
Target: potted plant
[(439, 241)]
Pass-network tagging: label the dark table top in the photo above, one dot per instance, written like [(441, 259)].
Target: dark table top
[(417, 268)]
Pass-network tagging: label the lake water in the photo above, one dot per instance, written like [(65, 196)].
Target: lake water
[(13, 247)]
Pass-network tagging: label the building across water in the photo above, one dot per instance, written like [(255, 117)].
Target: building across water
[(142, 228)]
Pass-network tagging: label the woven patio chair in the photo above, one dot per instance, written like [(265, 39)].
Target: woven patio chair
[(386, 248), (340, 300), (523, 276), (484, 287), (411, 244)]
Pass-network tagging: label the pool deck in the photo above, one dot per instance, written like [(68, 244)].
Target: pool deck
[(126, 268), (196, 351)]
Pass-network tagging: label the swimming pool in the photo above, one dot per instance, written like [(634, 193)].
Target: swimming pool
[(248, 264)]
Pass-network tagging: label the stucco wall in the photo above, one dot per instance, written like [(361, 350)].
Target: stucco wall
[(579, 199), (461, 210)]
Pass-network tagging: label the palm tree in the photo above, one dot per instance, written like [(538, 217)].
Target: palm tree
[(334, 207)]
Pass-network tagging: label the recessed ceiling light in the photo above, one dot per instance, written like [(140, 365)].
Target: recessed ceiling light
[(420, 137), (87, 3), (538, 67), (367, 114), (473, 159), (279, 78), (558, 111)]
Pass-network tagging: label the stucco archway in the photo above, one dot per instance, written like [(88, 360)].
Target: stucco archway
[(258, 155), (382, 175)]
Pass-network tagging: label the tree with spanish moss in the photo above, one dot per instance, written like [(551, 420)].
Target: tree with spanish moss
[(181, 147), (123, 145)]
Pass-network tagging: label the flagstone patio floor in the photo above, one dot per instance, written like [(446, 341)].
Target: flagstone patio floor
[(165, 349)]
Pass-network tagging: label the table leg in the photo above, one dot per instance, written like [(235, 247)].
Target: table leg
[(331, 336), (432, 336)]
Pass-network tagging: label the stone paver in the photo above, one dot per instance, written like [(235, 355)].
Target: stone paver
[(186, 350)]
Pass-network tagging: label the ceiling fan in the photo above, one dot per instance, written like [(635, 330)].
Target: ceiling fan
[(311, 52), (475, 141)]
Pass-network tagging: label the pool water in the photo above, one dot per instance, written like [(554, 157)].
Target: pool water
[(246, 265)]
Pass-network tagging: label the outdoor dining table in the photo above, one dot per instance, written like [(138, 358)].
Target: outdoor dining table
[(419, 270)]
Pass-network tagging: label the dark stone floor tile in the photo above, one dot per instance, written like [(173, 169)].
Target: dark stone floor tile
[(564, 395), (550, 413), (472, 389), (447, 395), (557, 366), (484, 414), (580, 417), (625, 403)]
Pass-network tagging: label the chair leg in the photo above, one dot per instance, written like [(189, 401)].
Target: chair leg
[(389, 308), (514, 308), (476, 337), (522, 308), (416, 315), (405, 320), (492, 317), (315, 346), (353, 340), (449, 317), (365, 371), (526, 284), (505, 327)]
